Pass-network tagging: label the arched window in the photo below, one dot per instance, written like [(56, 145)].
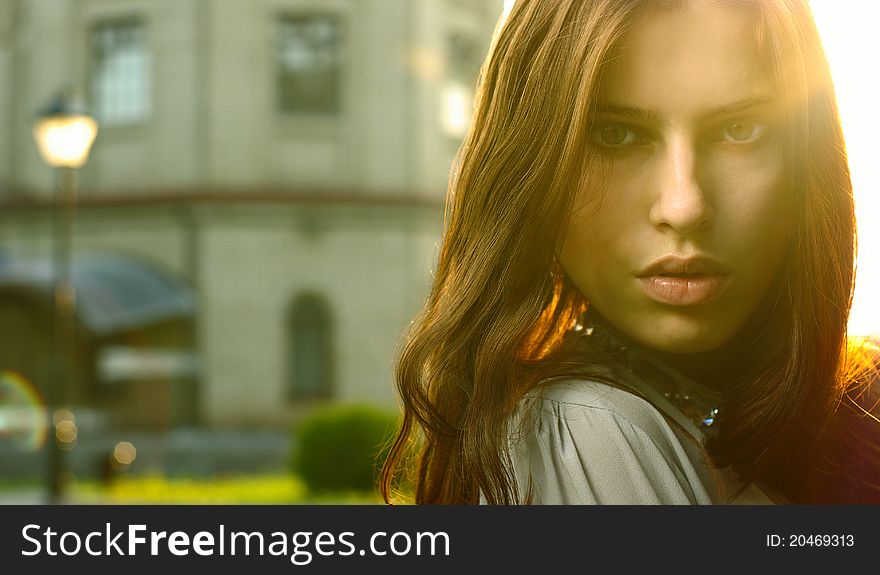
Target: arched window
[(310, 355)]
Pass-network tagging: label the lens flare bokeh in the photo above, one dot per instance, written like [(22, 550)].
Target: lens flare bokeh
[(23, 416)]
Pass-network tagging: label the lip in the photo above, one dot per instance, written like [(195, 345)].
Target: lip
[(684, 281)]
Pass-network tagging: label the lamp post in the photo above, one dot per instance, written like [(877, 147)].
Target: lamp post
[(64, 135)]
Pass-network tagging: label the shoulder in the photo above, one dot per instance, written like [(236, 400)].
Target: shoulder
[(583, 441), (583, 400)]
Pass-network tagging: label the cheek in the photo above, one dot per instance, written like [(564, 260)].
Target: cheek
[(582, 251), (595, 247), (753, 202), (605, 218)]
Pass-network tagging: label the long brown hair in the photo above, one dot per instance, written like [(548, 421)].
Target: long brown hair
[(493, 325)]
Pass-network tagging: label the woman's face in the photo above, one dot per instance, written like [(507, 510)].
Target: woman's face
[(693, 221)]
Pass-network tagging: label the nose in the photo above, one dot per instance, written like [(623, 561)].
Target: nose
[(680, 203)]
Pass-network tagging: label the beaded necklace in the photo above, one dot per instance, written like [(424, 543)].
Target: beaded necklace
[(698, 403)]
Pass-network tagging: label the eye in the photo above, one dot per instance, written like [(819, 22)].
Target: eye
[(743, 131), (610, 135)]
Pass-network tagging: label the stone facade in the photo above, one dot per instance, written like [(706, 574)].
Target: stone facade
[(253, 206)]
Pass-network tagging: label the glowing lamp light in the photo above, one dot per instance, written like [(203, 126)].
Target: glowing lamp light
[(64, 135)]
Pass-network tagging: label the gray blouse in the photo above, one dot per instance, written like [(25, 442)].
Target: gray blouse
[(585, 442), (582, 441)]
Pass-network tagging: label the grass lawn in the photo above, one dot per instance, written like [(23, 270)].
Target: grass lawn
[(231, 490)]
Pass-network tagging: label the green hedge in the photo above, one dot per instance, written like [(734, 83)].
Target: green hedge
[(342, 447)]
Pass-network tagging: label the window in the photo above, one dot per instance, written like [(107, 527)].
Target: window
[(310, 355), (309, 64), (464, 58), (120, 72)]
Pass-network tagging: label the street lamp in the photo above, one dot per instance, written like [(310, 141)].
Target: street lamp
[(64, 134)]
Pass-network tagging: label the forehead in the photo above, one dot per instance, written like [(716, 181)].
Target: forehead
[(685, 60)]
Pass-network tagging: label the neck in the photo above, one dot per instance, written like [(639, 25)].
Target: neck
[(715, 368)]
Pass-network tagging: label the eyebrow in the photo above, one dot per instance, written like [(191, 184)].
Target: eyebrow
[(651, 116)]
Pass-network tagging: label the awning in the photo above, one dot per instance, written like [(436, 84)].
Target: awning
[(114, 293)]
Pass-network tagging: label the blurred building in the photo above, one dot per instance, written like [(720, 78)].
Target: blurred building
[(260, 212)]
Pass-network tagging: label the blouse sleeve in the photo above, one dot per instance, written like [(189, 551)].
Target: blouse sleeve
[(584, 454)]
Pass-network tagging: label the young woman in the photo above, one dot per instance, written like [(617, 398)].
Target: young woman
[(644, 284)]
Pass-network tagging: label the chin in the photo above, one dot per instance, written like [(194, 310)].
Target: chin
[(684, 336)]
